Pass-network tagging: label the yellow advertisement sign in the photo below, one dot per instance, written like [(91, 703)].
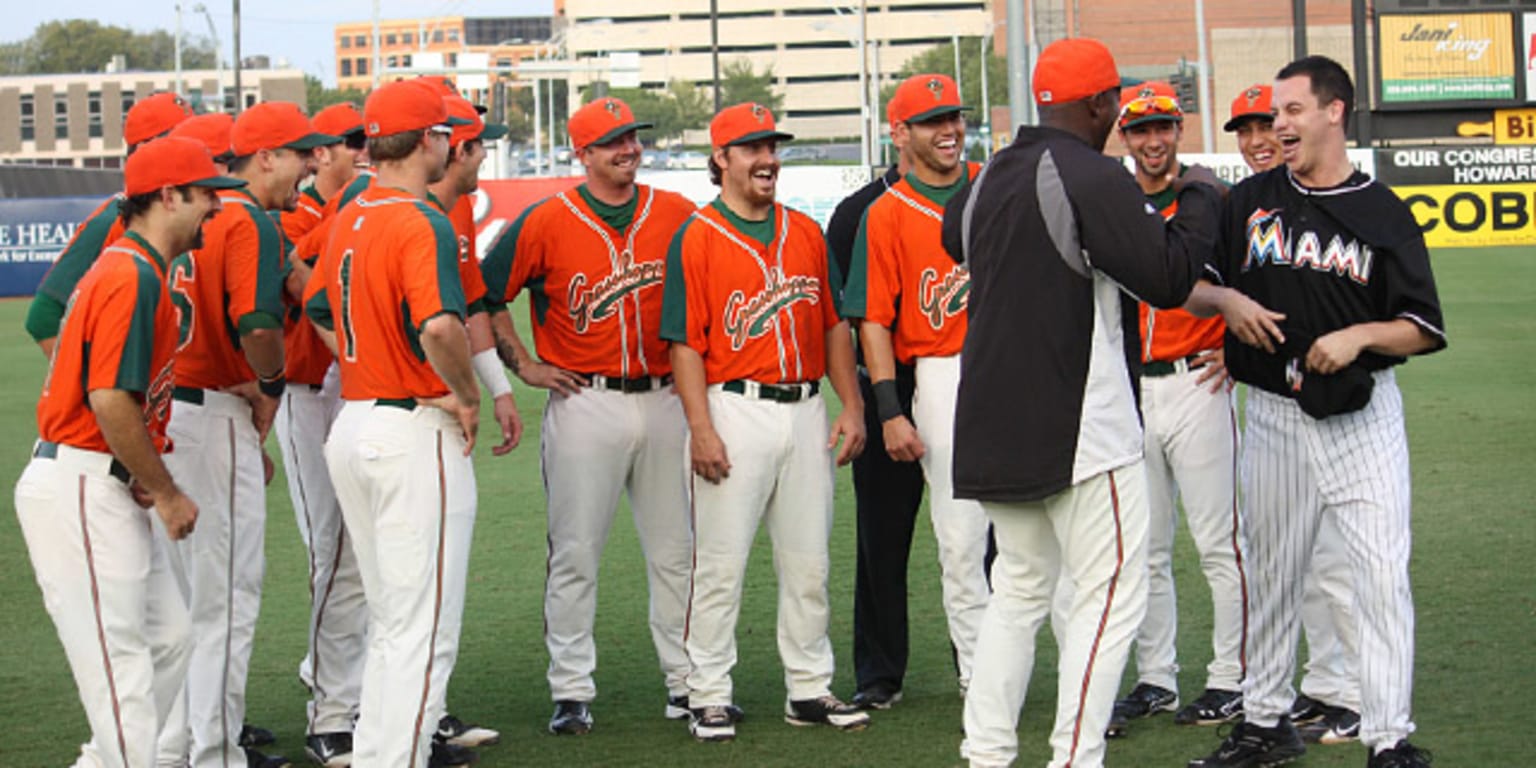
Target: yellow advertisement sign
[(1514, 126), (1474, 215), (1447, 57)]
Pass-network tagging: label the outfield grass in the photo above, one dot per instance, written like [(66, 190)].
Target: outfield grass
[(1473, 433)]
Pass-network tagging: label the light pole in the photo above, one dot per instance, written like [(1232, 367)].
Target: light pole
[(218, 57), (179, 88), (954, 42)]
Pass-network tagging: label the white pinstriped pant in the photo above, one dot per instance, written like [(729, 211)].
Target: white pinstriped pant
[(1354, 467)]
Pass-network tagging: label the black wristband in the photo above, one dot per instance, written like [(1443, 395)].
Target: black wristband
[(274, 386), (887, 402)]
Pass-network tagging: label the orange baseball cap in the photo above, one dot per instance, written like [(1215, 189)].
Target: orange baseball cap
[(1253, 102), (337, 120), (744, 124), (923, 97), (1072, 69), (474, 127), (172, 161), (1148, 102), (275, 125), (153, 116), (406, 105), (213, 130), (600, 121)]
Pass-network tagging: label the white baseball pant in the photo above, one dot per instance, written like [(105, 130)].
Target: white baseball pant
[(595, 445), (107, 584), (1095, 534), (1332, 672), (407, 493), (781, 475), (959, 525), (1191, 437), (216, 460), (338, 613), (1354, 467)]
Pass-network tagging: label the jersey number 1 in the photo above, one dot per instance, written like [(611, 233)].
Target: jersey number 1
[(348, 335)]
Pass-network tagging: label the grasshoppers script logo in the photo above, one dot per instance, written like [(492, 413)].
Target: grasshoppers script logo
[(602, 300), (943, 298), (750, 318)]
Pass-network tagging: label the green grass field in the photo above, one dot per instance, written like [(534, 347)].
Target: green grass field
[(1473, 430)]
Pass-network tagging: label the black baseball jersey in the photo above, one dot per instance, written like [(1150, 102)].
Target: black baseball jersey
[(1327, 259), (1055, 235)]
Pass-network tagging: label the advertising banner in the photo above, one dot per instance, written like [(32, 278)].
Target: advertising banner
[(32, 233), (1466, 196), (1528, 34), (1447, 57)]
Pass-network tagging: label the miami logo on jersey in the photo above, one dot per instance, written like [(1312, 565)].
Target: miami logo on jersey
[(602, 300), (750, 318), (1268, 244), (157, 403), (939, 299)]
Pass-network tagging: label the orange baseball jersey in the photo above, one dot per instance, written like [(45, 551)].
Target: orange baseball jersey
[(390, 266), (595, 291), (312, 242), (305, 356), (118, 333), (1174, 334), (229, 287), (900, 273), (462, 217), (308, 215), (755, 307), (102, 227)]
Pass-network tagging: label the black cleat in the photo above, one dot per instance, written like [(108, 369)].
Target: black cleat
[(1145, 700), (1338, 726), (332, 750), (1306, 709), (571, 718), (826, 710), (445, 755), (252, 736), (1214, 707), (461, 734), (255, 759), (1401, 755), (876, 696), (712, 723), (1252, 746), (678, 709)]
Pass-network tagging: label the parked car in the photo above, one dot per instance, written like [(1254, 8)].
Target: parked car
[(563, 155), (655, 159), (689, 160), (802, 154)]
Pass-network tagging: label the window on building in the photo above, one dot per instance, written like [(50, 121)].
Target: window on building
[(408, 38), (392, 61), (28, 118), (346, 42), (453, 35), (405, 60), (93, 113), (451, 59), (61, 115), (437, 35), (361, 41), (360, 67), (195, 98), (390, 39), (346, 67)]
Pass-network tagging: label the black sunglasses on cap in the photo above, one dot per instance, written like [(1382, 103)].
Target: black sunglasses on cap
[(356, 139)]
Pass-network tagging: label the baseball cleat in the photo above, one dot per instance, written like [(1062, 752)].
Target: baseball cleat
[(1306, 709), (461, 734), (712, 723), (677, 709), (1401, 755), (253, 736), (878, 696), (1212, 708), (826, 710), (1118, 725), (445, 755), (255, 759), (1252, 746), (571, 718), (332, 750), (1339, 726), (1145, 700)]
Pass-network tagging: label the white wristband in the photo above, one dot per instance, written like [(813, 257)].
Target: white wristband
[(490, 373)]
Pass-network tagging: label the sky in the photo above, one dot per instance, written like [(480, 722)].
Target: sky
[(299, 31)]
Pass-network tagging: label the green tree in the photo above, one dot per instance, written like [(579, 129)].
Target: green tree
[(940, 59), (694, 105), (739, 83), (86, 45), (318, 97)]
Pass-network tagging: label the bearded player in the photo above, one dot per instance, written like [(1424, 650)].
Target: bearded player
[(749, 308), (592, 259)]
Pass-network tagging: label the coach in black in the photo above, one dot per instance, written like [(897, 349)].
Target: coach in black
[(1047, 434), (1340, 263)]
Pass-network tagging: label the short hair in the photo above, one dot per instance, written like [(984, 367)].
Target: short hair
[(395, 146), (1329, 81), (461, 149), (238, 164), (132, 207), (715, 171)]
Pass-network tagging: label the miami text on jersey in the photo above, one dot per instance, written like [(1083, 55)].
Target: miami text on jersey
[(1269, 243), (600, 302), (748, 319), (943, 298)]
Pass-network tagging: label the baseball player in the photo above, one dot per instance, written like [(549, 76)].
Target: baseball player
[(1328, 709), (901, 276), (593, 259), (749, 308), (83, 500), (1338, 292), (386, 291), (887, 494), (1046, 434), (149, 118), (229, 377), (1190, 418)]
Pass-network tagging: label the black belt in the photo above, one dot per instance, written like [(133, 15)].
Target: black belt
[(627, 386), (47, 450), (1156, 368), (403, 403), (781, 393), (191, 395)]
